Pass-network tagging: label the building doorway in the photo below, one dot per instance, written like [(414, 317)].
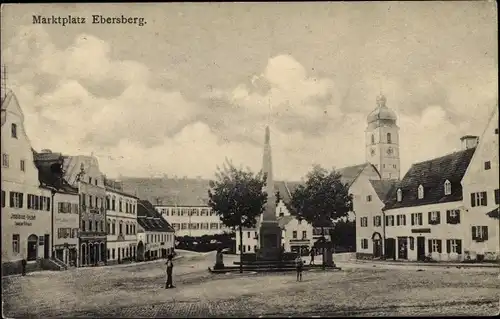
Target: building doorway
[(32, 248), (421, 248), (140, 251), (103, 252), (46, 248), (402, 247), (83, 254), (377, 245), (390, 248)]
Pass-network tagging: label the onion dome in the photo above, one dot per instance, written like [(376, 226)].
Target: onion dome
[(382, 112)]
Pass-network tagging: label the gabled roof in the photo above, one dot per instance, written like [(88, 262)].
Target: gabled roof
[(50, 173), (149, 219), (432, 175), (383, 188), (284, 220), (185, 191), (349, 174), (495, 213)]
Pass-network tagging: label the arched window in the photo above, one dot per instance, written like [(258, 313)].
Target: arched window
[(113, 203), (109, 226), (114, 227), (447, 187), (108, 202), (120, 228), (420, 192), (399, 195), (126, 229), (32, 251), (389, 138), (373, 139)]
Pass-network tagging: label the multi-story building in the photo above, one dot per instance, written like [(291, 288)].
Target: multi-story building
[(181, 201), (65, 209), (26, 207), (83, 172), (424, 214), (155, 236), (121, 223), (481, 196), (369, 198)]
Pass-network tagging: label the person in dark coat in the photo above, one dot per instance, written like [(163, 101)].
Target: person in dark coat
[(170, 267), (299, 265), (312, 253), (23, 266)]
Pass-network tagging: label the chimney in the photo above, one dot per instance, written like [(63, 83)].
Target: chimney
[(469, 141)]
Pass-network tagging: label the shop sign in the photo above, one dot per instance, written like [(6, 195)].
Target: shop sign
[(22, 219)]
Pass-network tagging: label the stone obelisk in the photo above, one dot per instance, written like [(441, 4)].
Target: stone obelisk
[(270, 231)]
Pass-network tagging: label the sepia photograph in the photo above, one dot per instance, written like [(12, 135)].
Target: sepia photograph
[(253, 159)]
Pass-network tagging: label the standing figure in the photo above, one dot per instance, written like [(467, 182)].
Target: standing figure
[(299, 264), (23, 266), (170, 267), (312, 257)]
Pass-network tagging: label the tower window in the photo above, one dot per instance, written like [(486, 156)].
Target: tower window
[(420, 192), (373, 139), (389, 138)]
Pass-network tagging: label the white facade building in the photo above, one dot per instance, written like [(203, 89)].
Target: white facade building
[(121, 215), (481, 196), (155, 236), (425, 214), (192, 221), (26, 208)]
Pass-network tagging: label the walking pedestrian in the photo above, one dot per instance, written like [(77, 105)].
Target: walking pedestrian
[(170, 267), (299, 264), (23, 266), (312, 257)]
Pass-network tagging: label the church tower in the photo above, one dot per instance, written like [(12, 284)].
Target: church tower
[(382, 140)]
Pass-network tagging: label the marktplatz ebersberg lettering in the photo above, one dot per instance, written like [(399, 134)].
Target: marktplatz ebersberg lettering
[(95, 19)]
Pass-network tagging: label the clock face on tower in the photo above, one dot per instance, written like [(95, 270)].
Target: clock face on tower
[(372, 151), (390, 151)]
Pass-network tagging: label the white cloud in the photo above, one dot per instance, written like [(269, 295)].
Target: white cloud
[(142, 131)]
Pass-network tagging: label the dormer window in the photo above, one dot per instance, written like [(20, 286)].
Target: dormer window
[(447, 187), (399, 195), (420, 192), (373, 139)]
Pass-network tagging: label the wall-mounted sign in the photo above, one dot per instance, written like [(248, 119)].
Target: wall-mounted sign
[(22, 219)]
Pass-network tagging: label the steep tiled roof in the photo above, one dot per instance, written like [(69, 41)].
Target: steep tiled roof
[(350, 173), (495, 213), (184, 191), (284, 220), (383, 188), (50, 173), (432, 175), (150, 219)]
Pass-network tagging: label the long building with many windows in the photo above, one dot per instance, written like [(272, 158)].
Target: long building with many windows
[(121, 217)]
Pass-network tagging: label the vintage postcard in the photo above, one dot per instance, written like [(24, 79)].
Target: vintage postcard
[(273, 159)]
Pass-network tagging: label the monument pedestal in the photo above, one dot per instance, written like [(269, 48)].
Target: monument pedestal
[(270, 241)]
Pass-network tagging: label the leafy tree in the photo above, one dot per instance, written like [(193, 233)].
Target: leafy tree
[(237, 197), (322, 198), (343, 234)]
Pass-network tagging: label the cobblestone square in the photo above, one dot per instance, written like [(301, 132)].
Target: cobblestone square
[(356, 290)]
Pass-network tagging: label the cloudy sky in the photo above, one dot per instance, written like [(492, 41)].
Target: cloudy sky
[(197, 83)]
